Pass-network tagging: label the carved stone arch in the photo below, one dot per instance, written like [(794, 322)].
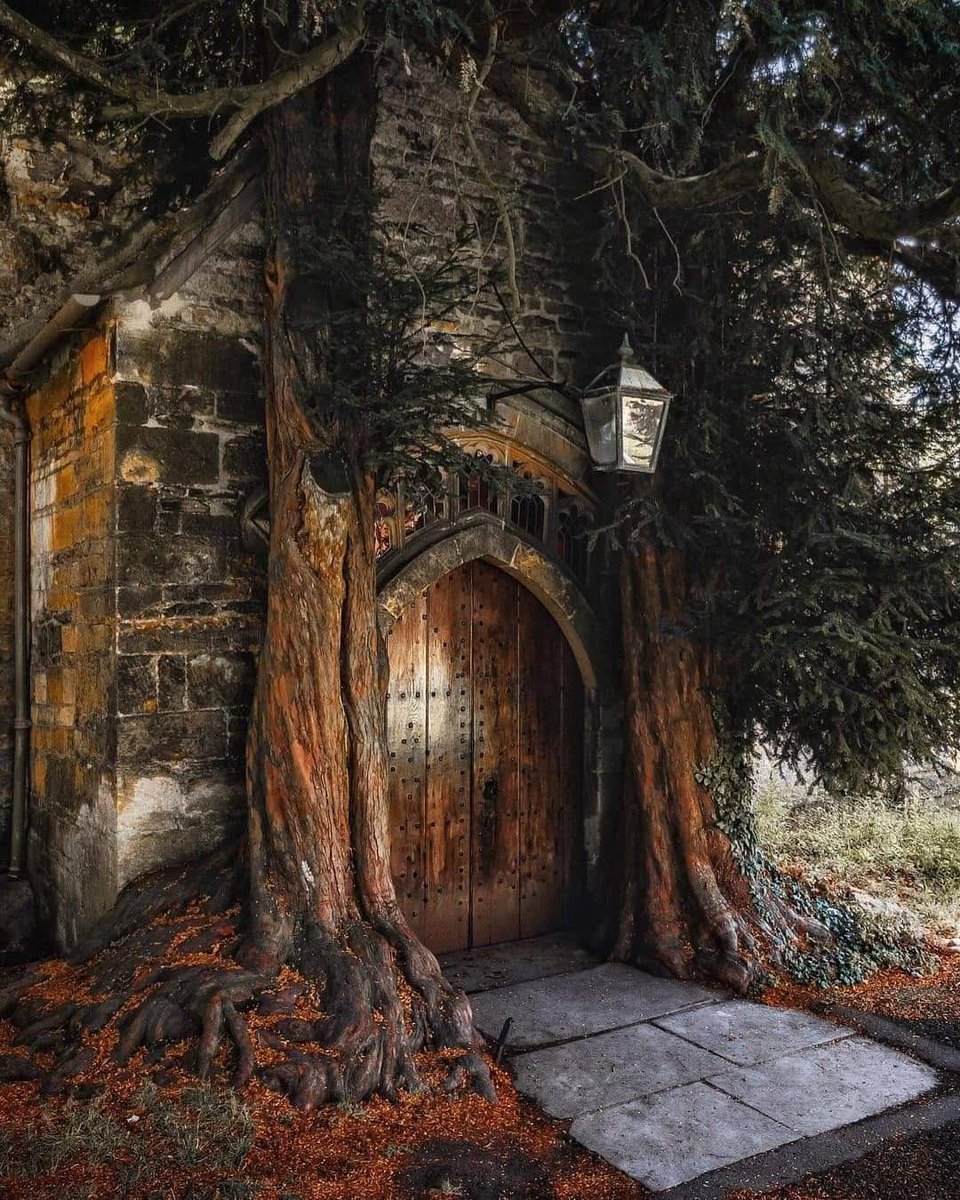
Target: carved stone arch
[(553, 587)]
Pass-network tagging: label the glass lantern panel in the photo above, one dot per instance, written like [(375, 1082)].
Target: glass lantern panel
[(600, 425), (642, 421)]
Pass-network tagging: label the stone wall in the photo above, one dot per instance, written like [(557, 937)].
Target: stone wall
[(147, 608), (434, 198), (189, 599), (72, 848)]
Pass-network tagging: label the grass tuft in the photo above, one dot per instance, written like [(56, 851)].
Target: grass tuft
[(79, 1131), (908, 853)]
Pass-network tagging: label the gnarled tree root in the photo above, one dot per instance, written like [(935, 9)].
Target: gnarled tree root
[(340, 1017)]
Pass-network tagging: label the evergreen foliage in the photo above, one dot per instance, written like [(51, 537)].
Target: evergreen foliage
[(810, 472)]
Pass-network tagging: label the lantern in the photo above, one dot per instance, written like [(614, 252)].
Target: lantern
[(624, 418)]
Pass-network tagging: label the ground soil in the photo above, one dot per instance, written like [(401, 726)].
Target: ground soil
[(924, 1167), (929, 1004), (148, 1130)]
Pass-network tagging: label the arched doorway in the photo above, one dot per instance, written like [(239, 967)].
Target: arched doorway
[(485, 726)]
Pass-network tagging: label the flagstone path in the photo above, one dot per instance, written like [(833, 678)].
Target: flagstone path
[(668, 1080)]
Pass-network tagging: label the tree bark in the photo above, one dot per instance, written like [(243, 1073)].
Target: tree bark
[(685, 907), (321, 891)]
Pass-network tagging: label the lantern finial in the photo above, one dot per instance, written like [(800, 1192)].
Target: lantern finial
[(625, 353)]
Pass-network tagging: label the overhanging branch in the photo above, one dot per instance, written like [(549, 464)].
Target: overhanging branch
[(87, 69), (249, 100), (845, 201)]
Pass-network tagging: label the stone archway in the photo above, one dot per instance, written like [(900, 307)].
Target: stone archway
[(550, 583), (564, 600)]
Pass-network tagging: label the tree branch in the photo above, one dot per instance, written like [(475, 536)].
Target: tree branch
[(314, 65), (935, 268), (863, 213), (248, 99), (844, 200), (87, 69)]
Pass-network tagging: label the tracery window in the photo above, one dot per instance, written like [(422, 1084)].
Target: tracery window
[(476, 490), (573, 546), (550, 507), (422, 508), (528, 511)]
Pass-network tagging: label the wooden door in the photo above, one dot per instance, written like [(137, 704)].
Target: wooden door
[(485, 725)]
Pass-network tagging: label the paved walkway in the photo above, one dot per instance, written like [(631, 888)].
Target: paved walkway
[(667, 1080)]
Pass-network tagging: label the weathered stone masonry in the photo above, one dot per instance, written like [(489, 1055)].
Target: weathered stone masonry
[(146, 608), (73, 843)]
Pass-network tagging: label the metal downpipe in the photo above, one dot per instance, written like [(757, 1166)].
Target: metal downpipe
[(12, 414)]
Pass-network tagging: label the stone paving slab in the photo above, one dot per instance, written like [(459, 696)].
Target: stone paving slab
[(814, 1090), (515, 962), (671, 1137), (748, 1033), (584, 1002), (597, 1072)]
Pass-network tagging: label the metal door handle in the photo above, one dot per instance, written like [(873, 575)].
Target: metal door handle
[(489, 795)]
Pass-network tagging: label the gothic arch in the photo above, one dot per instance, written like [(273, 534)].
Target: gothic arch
[(562, 596), (552, 586)]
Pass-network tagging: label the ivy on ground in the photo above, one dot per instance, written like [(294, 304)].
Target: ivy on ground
[(861, 941)]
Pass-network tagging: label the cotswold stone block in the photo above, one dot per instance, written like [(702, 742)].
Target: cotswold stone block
[(136, 683), (48, 640), (167, 815), (154, 455), (202, 523), (145, 559), (172, 687), (138, 601), (181, 408), (172, 737), (220, 680), (178, 358), (131, 403), (136, 508), (181, 635), (240, 408), (245, 458)]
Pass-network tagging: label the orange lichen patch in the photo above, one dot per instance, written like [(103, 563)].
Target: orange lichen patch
[(422, 1145), (94, 358)]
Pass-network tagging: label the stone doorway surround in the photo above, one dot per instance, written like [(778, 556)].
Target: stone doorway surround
[(671, 1082)]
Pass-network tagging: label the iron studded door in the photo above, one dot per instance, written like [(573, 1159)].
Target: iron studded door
[(485, 726)]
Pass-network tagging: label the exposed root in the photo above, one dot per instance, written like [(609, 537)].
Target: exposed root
[(342, 1019), (712, 938), (471, 1067)]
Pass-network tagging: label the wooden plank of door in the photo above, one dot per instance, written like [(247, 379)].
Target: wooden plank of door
[(495, 894), (543, 797), (406, 737), (449, 754), (572, 759)]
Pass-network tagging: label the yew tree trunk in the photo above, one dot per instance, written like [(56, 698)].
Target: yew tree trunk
[(321, 892), (685, 907)]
